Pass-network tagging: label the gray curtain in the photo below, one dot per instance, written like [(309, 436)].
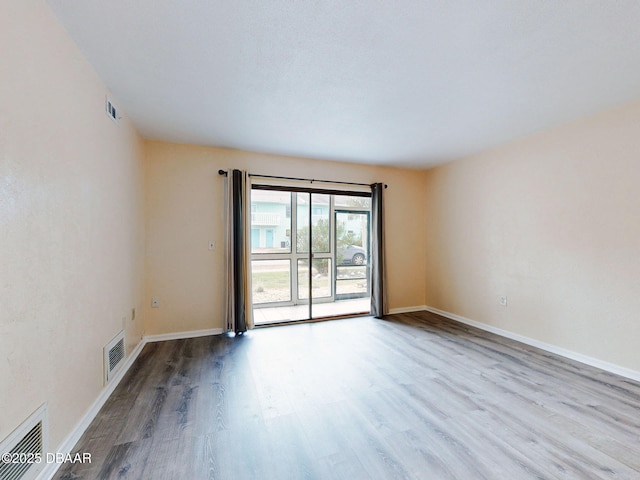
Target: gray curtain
[(237, 309), (378, 270)]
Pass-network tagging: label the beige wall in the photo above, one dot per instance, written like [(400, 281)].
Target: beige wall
[(553, 222), (184, 211), (87, 209), (71, 228)]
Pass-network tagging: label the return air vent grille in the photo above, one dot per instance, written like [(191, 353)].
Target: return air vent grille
[(112, 110), (113, 355), (25, 448)]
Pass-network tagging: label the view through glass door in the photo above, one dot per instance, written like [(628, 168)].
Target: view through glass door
[(293, 230)]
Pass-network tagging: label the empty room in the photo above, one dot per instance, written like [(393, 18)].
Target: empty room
[(319, 239)]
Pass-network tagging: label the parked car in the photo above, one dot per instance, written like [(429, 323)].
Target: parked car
[(354, 255)]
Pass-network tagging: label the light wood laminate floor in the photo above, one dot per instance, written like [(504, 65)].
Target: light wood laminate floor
[(413, 396)]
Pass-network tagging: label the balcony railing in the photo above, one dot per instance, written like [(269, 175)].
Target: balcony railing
[(265, 218)]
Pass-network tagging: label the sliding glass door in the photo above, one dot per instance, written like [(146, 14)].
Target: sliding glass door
[(310, 255), (352, 254)]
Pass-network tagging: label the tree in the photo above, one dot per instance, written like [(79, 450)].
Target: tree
[(321, 238)]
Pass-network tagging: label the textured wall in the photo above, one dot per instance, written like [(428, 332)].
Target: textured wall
[(184, 211), (71, 227), (552, 222)]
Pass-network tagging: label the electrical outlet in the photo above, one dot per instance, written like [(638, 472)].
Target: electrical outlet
[(502, 300), (155, 302)]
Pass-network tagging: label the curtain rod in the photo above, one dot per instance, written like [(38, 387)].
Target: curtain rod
[(223, 172)]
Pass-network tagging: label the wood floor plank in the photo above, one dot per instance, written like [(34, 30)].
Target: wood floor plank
[(412, 396), (342, 466)]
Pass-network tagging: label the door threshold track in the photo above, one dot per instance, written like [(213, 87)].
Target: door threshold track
[(312, 320)]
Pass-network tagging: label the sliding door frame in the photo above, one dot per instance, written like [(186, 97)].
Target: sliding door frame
[(366, 265), (294, 257)]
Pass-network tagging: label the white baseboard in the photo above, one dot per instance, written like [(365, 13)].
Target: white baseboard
[(563, 352), (180, 335), (419, 308), (70, 441)]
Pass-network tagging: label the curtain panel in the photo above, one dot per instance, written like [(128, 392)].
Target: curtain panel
[(238, 317), (379, 305)]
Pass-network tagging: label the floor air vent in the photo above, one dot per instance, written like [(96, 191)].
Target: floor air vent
[(23, 452), (113, 356)]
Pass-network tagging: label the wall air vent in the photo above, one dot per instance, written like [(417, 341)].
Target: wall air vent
[(112, 110), (113, 356), (23, 452)]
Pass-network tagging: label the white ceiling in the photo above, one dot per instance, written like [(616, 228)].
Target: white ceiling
[(406, 82)]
